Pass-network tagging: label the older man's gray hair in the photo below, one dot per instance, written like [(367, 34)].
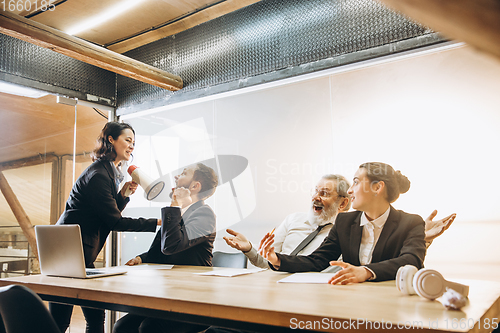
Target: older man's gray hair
[(342, 186)]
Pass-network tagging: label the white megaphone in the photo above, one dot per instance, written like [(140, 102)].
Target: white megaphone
[(151, 188)]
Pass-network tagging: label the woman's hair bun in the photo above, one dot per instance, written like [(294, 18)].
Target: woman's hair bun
[(395, 182), (403, 182)]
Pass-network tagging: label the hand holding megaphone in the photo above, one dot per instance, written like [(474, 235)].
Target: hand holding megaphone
[(151, 187), (129, 188)]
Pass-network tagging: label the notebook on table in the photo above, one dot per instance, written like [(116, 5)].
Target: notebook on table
[(60, 251)]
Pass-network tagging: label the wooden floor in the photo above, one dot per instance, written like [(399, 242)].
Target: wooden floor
[(77, 321)]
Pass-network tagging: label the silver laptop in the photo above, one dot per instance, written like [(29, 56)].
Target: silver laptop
[(61, 253)]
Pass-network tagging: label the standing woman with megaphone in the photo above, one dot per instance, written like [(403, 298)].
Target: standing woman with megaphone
[(95, 203)]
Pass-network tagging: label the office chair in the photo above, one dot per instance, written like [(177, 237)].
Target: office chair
[(23, 311), (233, 260)]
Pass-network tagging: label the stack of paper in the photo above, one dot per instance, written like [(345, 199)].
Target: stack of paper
[(146, 267), (308, 278), (230, 272)]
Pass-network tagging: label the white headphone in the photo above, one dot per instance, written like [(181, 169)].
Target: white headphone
[(427, 283)]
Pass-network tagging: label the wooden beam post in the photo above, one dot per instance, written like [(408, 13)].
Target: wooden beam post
[(55, 192), (58, 41), (476, 22), (21, 216), (29, 161)]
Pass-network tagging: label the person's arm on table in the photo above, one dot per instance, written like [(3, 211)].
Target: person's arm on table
[(153, 255), (134, 261), (350, 273)]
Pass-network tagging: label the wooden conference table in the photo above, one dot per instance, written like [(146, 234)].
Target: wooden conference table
[(257, 302)]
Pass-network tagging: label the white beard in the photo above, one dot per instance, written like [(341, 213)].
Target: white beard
[(322, 218)]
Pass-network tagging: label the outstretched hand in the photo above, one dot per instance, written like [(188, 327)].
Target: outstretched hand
[(238, 241), (435, 228), (349, 273), (266, 249)]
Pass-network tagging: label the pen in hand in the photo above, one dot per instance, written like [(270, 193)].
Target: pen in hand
[(264, 239)]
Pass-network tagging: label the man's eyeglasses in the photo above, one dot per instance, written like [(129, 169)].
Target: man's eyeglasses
[(325, 194)]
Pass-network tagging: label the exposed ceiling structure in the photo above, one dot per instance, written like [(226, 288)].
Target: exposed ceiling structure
[(123, 25), (34, 126)]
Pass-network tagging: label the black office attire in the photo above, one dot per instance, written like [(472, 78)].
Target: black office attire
[(184, 239), (95, 204), (401, 242), (184, 243)]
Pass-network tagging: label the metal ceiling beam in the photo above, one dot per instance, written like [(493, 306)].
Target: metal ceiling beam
[(58, 41), (476, 22)]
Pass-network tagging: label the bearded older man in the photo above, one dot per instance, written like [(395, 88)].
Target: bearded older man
[(302, 233)]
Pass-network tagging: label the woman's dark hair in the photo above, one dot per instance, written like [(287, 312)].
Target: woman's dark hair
[(395, 182), (104, 149)]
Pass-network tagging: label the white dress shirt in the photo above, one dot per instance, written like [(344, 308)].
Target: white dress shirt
[(371, 234), (289, 234), (117, 175)]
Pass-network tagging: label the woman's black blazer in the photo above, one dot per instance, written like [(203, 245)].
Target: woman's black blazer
[(401, 242), (96, 206)]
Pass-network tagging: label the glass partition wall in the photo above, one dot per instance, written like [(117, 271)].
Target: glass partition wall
[(36, 170), (433, 116)]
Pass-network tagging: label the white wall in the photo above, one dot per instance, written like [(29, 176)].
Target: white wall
[(434, 117)]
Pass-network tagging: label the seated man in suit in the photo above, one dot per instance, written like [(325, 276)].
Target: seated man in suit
[(186, 237)]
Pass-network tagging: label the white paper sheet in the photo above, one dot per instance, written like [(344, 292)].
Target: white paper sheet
[(146, 267), (230, 272), (308, 278)]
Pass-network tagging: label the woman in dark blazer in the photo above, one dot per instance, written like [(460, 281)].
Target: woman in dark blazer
[(96, 205), (374, 241)]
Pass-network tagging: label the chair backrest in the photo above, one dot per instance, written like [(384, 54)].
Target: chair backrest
[(23, 311), (234, 260)]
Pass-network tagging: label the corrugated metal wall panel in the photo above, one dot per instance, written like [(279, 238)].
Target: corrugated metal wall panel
[(270, 37), (35, 66)]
